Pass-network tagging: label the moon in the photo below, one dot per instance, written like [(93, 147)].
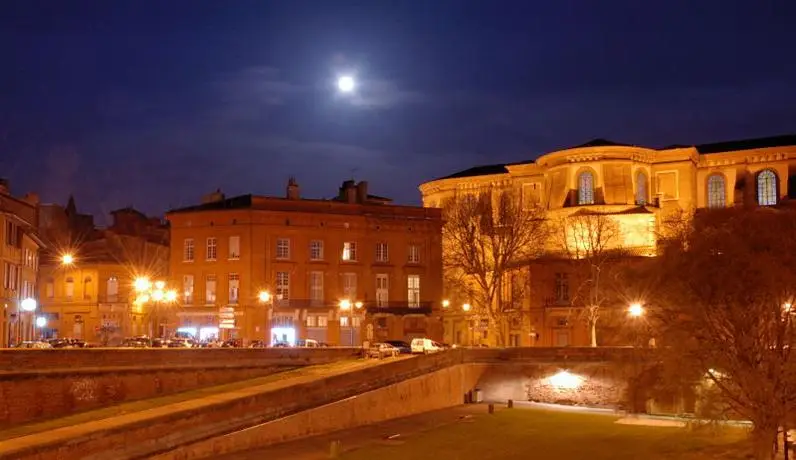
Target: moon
[(346, 84)]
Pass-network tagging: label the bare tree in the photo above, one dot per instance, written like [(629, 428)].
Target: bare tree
[(721, 295), (592, 242), (487, 239)]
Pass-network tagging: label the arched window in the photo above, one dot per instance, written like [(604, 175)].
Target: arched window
[(112, 288), (586, 188), (641, 188), (716, 191), (767, 188)]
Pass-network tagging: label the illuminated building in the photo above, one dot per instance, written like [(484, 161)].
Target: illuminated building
[(280, 269), (635, 187)]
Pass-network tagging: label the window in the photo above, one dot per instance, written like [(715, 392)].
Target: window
[(381, 252), (234, 287), (562, 288), (716, 191), (312, 321), (323, 321), (87, 287), (12, 234), (585, 188), (356, 321), (112, 288), (767, 188), (531, 195), (187, 250), (316, 250), (187, 289), (49, 288), (414, 254), (382, 290), (212, 248), (641, 188), (413, 286), (316, 287), (234, 247), (350, 251), (350, 286), (69, 290), (282, 248), (344, 321), (282, 286), (210, 289)]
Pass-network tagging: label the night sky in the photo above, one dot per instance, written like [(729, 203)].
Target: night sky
[(154, 103)]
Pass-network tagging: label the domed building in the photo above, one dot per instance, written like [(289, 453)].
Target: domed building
[(634, 187)]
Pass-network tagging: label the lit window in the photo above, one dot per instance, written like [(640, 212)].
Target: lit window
[(562, 288), (350, 286), (350, 251), (282, 286), (70, 288), (316, 287), (641, 189), (234, 247), (282, 248), (323, 321), (210, 289), (344, 321), (381, 252), (414, 254), (112, 288), (413, 287), (767, 188), (585, 188), (316, 250), (187, 289), (312, 321), (716, 191), (187, 250), (212, 248), (234, 287), (382, 290)]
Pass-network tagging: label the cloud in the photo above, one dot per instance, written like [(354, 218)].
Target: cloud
[(246, 93), (383, 94)]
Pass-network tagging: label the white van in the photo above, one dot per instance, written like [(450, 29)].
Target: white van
[(425, 346)]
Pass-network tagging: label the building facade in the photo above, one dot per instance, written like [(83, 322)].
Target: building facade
[(343, 271), (636, 188), (87, 277), (19, 265)]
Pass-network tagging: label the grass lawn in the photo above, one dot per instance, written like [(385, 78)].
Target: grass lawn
[(537, 434)]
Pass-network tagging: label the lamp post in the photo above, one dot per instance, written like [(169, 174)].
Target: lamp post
[(347, 310), (27, 305), (157, 294), (265, 298)]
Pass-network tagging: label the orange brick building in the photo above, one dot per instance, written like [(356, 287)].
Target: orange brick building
[(342, 271)]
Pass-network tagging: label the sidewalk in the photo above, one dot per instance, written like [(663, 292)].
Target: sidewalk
[(317, 447)]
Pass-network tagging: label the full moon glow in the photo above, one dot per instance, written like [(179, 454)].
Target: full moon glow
[(346, 84)]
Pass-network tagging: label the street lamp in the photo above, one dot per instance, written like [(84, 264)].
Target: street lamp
[(635, 310), (147, 291), (67, 259), (446, 303), (466, 307), (264, 296), (28, 305)]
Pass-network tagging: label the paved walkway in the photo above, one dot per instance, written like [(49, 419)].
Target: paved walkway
[(317, 447)]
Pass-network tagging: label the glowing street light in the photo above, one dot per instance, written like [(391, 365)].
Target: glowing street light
[(28, 304), (171, 295), (345, 304), (446, 303), (67, 259), (346, 84), (358, 305), (264, 296), (41, 321), (787, 307), (466, 307), (142, 284), (158, 295), (635, 310)]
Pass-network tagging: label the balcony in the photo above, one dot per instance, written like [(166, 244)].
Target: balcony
[(398, 308)]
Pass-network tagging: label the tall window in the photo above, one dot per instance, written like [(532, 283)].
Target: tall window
[(413, 288), (350, 286), (282, 286), (50, 288), (382, 290), (69, 290), (641, 188), (210, 289), (414, 254), (381, 252), (87, 287), (282, 248), (112, 288), (316, 288), (716, 191), (562, 288), (767, 188), (234, 247), (187, 289), (316, 250), (12, 234), (212, 248), (187, 250), (350, 251), (586, 188), (234, 287)]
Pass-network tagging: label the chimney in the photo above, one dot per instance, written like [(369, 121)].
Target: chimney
[(5, 187), (32, 198), (362, 192), (348, 192), (214, 197), (293, 192)]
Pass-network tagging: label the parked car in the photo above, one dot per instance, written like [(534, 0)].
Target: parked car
[(181, 343), (426, 346), (136, 343), (307, 343), (258, 344), (403, 347), (382, 350), (39, 345)]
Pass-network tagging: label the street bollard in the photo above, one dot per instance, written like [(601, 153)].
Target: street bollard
[(511, 403), (491, 408), (335, 449)]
